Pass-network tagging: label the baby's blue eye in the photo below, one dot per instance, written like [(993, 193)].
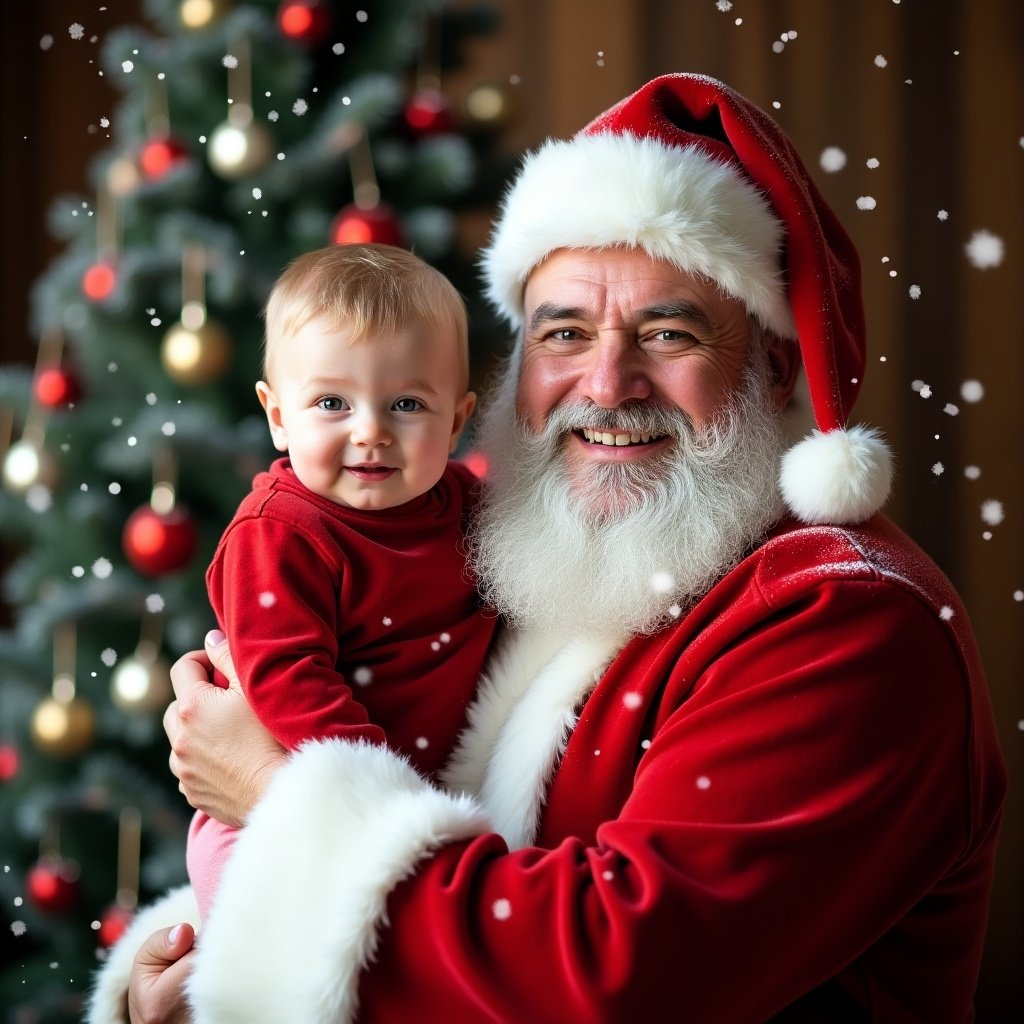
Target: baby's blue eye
[(331, 403), (407, 405)]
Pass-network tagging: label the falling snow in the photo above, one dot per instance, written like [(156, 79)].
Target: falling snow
[(938, 469), (607, 875), (661, 582), (950, 409), (914, 291), (501, 909), (78, 571), (76, 31), (992, 512), (972, 391), (386, 620), (703, 782), (866, 202), (127, 66), (435, 645), (267, 599), (229, 60), (724, 6), (104, 122), (362, 16), (422, 742), (273, 115), (984, 250), (880, 61), (943, 215), (338, 48), (924, 391), (946, 613), (102, 568), (631, 700), (362, 676), (832, 159), (18, 928), (109, 657), (299, 107), (154, 604), (972, 472), (873, 163), (1018, 595), (46, 42)]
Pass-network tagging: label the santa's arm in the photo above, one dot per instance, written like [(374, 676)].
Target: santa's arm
[(831, 809)]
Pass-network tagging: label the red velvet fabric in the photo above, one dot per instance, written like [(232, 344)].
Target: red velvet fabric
[(784, 807)]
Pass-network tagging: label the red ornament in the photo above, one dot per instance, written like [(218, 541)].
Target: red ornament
[(10, 761), (428, 113), (305, 21), (52, 884), (156, 543), (476, 463), (99, 281), (158, 156), (54, 387), (354, 225), (114, 922)]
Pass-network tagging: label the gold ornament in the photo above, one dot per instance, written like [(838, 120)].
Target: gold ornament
[(196, 355), (28, 464), (198, 14), (142, 682), (490, 106), (63, 728), (237, 150)]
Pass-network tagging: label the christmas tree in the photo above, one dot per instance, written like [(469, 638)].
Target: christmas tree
[(247, 133)]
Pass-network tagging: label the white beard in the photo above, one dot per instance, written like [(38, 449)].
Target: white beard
[(637, 543)]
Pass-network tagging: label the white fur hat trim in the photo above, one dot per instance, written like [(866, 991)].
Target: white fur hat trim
[(677, 204)]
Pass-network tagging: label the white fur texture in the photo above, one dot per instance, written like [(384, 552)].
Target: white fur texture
[(520, 723), (839, 477), (677, 204), (340, 826), (107, 1003)]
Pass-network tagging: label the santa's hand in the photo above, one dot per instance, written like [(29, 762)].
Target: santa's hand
[(221, 755), (156, 987)]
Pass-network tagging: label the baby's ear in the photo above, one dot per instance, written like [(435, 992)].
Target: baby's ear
[(272, 408), (463, 410)]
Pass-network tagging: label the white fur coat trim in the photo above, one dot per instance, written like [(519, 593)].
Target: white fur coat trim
[(107, 1001), (519, 725), (296, 917)]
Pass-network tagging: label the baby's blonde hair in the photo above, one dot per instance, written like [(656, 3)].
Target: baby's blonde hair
[(367, 289)]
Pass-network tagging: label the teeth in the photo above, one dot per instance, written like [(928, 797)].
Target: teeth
[(619, 440)]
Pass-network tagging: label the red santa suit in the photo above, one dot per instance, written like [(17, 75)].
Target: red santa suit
[(347, 623), (782, 807)]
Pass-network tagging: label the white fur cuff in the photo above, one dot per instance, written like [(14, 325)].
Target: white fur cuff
[(301, 899)]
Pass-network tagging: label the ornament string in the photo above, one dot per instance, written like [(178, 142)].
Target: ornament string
[(193, 287), (158, 117), (129, 847), (240, 112), (64, 643)]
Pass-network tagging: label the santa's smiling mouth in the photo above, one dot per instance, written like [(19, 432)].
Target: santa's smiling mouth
[(618, 439)]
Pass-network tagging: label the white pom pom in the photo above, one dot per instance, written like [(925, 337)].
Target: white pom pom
[(842, 476)]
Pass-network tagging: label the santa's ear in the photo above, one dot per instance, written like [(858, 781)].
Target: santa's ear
[(784, 362)]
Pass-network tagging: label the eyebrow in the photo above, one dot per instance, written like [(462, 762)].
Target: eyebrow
[(548, 311), (340, 383)]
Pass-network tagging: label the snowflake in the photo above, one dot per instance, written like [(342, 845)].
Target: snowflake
[(866, 202), (938, 469), (127, 66), (873, 163), (703, 782), (724, 6), (1018, 595), (984, 250), (18, 928), (924, 391), (972, 472), (832, 159), (299, 107), (104, 122), (76, 31), (386, 620), (273, 115), (257, 193), (267, 599), (631, 700), (880, 61), (946, 613), (607, 875), (972, 391), (914, 291), (362, 676), (675, 611), (338, 48), (109, 657), (645, 744), (154, 603), (229, 60), (445, 638), (435, 645), (662, 582), (501, 909), (46, 42), (78, 571), (168, 429), (422, 742), (992, 512), (362, 17), (943, 215), (102, 568), (39, 499), (950, 409)]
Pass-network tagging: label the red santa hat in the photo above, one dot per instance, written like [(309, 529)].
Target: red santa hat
[(693, 173)]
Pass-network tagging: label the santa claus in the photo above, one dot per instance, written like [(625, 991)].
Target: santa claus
[(733, 760)]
